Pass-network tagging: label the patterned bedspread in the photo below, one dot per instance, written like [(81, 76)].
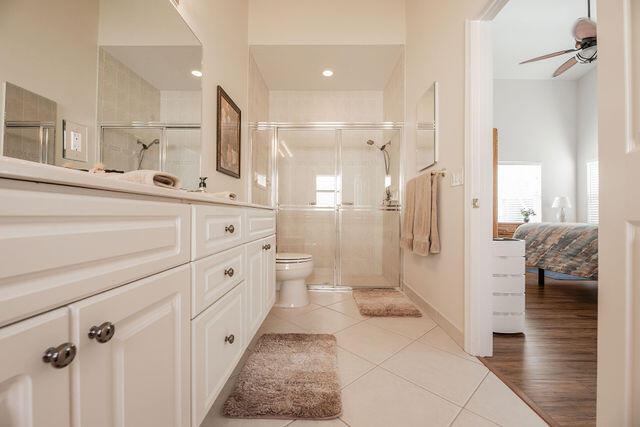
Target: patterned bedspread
[(561, 247)]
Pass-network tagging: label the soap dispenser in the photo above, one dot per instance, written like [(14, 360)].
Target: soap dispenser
[(202, 186)]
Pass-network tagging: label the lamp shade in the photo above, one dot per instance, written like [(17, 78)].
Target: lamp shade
[(561, 202)]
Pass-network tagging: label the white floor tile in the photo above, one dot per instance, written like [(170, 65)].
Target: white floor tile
[(495, 401), (440, 372), (323, 321), (438, 338), (328, 298), (348, 307), (469, 419), (382, 399), (289, 313), (276, 325), (321, 423), (351, 367), (370, 342), (410, 327)]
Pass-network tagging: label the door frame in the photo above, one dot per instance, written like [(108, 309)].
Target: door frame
[(478, 205)]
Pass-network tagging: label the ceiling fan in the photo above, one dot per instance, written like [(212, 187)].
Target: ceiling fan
[(586, 48)]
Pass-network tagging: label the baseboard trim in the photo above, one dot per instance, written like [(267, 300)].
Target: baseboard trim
[(439, 318)]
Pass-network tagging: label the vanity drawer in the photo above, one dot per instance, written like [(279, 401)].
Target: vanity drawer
[(260, 223), (218, 341), (57, 247), (216, 228), (214, 276)]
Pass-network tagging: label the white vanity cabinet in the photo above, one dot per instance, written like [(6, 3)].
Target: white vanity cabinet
[(132, 367), (34, 393), (118, 310)]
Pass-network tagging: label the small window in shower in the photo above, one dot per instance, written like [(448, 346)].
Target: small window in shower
[(325, 190)]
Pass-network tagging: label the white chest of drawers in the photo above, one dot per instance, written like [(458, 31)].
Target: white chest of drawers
[(508, 271)]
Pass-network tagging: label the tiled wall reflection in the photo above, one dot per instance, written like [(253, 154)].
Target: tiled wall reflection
[(23, 106)]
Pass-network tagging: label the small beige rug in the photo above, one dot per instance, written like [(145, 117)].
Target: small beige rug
[(288, 376), (384, 303)]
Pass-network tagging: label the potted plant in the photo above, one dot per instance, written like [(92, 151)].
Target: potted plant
[(527, 214)]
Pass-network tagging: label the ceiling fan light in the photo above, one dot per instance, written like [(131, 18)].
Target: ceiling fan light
[(584, 28)]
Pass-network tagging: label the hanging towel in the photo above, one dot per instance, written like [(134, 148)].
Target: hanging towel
[(435, 234), (422, 215), (148, 177), (406, 238)]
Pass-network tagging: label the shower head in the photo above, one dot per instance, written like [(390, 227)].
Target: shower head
[(373, 144), (145, 146)]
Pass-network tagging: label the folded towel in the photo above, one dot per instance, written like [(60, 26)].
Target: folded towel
[(226, 195), (148, 177), (422, 215), (406, 239)]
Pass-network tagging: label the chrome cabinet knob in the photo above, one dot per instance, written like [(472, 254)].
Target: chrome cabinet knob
[(230, 339), (102, 333), (266, 247), (229, 272), (230, 229), (60, 356)]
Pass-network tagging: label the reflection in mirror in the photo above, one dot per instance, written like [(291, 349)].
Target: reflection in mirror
[(427, 129), (141, 59), (29, 125)]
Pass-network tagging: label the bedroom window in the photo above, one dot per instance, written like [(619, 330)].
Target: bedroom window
[(519, 187), (593, 192)]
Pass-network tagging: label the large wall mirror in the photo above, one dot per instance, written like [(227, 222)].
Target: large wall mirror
[(101, 81), (427, 128)]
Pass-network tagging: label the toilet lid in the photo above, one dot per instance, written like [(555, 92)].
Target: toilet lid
[(285, 257)]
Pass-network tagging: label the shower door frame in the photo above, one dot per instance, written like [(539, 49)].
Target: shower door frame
[(162, 127), (337, 127)]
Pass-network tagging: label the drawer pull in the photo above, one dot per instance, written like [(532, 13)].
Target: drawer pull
[(266, 247), (230, 229), (60, 356), (102, 333), (229, 272), (230, 339)]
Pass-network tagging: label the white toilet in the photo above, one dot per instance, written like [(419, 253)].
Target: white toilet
[(292, 271)]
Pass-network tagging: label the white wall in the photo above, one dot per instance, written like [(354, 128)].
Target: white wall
[(435, 52), (537, 122), (326, 22), (587, 149), (221, 26), (48, 50)]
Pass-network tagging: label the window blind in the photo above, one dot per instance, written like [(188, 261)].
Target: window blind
[(519, 187), (593, 192)]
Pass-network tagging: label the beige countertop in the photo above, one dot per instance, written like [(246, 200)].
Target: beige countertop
[(35, 172)]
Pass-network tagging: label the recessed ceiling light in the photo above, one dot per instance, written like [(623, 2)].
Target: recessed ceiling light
[(327, 73), (196, 73)]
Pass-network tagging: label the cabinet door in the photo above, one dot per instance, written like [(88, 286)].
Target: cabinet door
[(34, 393), (269, 271), (140, 376), (255, 286), (218, 336)]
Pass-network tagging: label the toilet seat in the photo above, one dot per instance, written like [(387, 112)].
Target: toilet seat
[(292, 258)]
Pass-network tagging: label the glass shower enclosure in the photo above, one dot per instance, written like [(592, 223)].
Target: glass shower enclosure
[(337, 196)]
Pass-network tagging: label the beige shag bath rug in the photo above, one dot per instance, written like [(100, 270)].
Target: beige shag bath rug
[(384, 303), (288, 376)]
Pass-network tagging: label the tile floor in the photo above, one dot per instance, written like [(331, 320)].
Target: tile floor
[(395, 372)]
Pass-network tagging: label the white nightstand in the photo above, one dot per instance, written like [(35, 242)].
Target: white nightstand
[(508, 271)]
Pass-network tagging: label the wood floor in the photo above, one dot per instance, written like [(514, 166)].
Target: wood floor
[(553, 365)]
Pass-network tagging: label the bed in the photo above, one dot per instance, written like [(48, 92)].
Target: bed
[(562, 248)]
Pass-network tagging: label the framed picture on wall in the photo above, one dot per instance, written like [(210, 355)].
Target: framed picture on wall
[(228, 135)]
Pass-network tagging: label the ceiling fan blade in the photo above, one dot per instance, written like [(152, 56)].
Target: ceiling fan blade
[(564, 67), (549, 55)]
